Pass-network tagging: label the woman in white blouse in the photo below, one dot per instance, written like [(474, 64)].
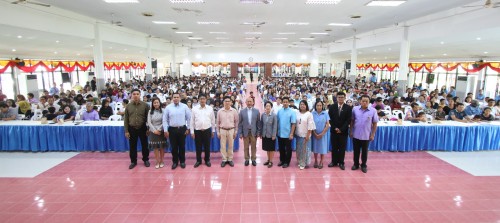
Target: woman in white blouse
[(157, 141), (305, 125)]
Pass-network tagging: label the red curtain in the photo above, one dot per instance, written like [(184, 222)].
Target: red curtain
[(67, 66)]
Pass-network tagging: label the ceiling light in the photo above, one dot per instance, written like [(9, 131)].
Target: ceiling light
[(208, 23), (164, 22), (323, 2), (187, 1), (121, 1), (280, 56), (184, 32), (276, 42), (250, 38), (390, 49), (374, 50), (307, 38), (55, 52), (478, 38), (485, 52), (442, 42), (91, 45), (253, 33), (225, 42), (297, 23), (339, 24), (198, 56), (57, 41), (124, 49), (19, 37), (385, 3), (217, 32), (304, 57), (286, 33), (319, 33), (221, 38), (195, 38), (444, 54), (267, 2), (422, 55), (281, 38), (13, 50)]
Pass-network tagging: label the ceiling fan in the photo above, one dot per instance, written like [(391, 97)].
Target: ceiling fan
[(29, 2), (487, 4)]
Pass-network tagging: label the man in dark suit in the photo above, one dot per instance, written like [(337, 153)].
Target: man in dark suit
[(251, 77), (248, 128), (340, 117)]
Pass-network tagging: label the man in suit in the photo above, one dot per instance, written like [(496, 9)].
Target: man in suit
[(340, 117), (248, 128)]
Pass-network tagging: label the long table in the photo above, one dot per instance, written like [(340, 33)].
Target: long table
[(88, 136), (109, 136)]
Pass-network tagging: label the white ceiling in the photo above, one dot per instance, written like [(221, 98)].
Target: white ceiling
[(231, 14)]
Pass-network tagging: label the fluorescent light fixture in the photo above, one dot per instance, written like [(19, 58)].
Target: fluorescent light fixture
[(304, 57), (195, 38), (198, 56), (13, 50), (267, 2), (485, 52), (187, 1), (478, 38), (250, 38), (323, 2), (339, 24), (281, 38), (19, 37), (164, 22), (307, 38), (221, 38), (444, 54), (280, 56), (181, 32), (297, 23), (217, 32), (319, 33), (121, 1), (253, 33), (208, 23), (225, 42), (385, 3), (286, 33), (276, 42)]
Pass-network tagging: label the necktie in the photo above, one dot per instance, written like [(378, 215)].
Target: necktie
[(340, 109)]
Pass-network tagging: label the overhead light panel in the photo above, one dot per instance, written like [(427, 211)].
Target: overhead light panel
[(297, 23), (208, 23), (164, 22), (221, 38), (340, 24), (121, 1), (385, 3), (225, 42), (276, 42), (319, 33), (267, 2), (181, 32), (253, 33), (194, 38), (323, 2), (217, 32), (187, 1), (280, 38), (307, 38), (286, 33)]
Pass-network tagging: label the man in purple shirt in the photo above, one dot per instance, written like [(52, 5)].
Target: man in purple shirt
[(90, 114), (363, 127)]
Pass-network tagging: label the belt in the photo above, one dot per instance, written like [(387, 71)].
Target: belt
[(226, 128), (177, 127)]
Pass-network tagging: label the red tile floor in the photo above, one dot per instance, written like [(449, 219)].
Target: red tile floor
[(399, 187)]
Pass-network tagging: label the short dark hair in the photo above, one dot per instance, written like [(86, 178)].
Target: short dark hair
[(201, 95), (458, 104), (285, 98), (227, 97), (268, 102), (51, 109), (3, 105), (125, 101), (339, 93), (414, 104), (135, 89), (364, 96)]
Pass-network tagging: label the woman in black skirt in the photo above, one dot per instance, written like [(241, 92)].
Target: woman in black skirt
[(268, 129)]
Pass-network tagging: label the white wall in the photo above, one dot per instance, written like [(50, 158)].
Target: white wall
[(242, 54)]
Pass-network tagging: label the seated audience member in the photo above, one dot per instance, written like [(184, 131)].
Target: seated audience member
[(51, 103), (7, 113), (494, 110), (90, 114), (429, 110), (122, 110), (421, 117), (12, 104), (379, 102), (411, 115), (42, 104), (51, 114), (451, 106), (458, 114), (106, 111), (486, 115), (24, 106), (381, 114), (90, 98), (69, 115), (440, 114), (473, 109), (32, 99)]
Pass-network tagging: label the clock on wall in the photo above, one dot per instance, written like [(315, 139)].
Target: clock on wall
[(250, 59)]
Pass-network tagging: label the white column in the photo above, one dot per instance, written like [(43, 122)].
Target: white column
[(173, 66), (149, 70), (313, 70), (404, 60), (354, 60), (98, 58)]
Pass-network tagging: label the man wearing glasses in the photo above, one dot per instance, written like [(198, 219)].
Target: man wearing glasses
[(227, 121)]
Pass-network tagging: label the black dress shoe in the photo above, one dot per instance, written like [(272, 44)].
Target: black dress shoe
[(331, 164), (183, 165), (174, 166), (266, 163), (132, 165), (342, 167), (147, 164), (247, 162), (285, 165), (280, 164), (231, 163), (354, 167), (208, 164), (254, 163), (197, 164), (363, 168), (223, 164)]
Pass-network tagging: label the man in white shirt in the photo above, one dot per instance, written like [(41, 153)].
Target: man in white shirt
[(277, 106), (202, 129)]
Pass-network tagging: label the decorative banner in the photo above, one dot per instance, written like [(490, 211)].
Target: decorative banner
[(68, 66), (470, 67)]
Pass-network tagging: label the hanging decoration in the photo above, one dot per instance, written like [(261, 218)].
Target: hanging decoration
[(470, 67), (30, 66)]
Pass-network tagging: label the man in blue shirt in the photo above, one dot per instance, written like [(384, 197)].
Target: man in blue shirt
[(175, 118), (473, 109), (453, 93), (480, 96), (286, 128), (373, 78), (458, 114)]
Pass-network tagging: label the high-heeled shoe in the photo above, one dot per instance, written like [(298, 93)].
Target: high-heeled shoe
[(270, 165), (320, 166)]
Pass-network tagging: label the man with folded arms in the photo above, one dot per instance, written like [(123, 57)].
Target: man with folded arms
[(227, 122), (202, 129)]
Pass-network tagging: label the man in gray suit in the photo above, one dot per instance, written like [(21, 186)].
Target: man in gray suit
[(248, 129)]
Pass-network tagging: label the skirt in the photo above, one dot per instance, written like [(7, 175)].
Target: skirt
[(268, 144), (157, 141)]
